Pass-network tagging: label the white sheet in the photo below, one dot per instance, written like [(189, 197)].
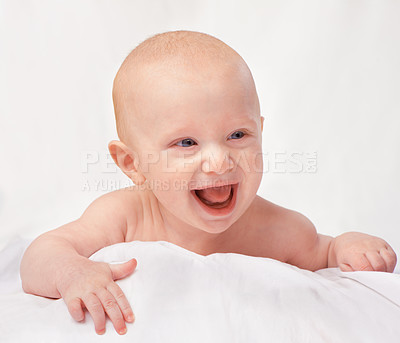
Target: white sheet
[(179, 296)]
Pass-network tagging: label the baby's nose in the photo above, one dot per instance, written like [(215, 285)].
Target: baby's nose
[(216, 161)]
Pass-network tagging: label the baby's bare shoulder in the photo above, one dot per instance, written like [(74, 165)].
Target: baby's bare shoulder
[(117, 202), (106, 221), (119, 209), (125, 197), (126, 203), (276, 230), (269, 215)]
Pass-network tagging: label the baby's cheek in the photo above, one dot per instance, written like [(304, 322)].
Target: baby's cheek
[(258, 163), (250, 161), (172, 197), (185, 165)]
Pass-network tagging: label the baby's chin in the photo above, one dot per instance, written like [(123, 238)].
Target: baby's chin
[(215, 228), (218, 225)]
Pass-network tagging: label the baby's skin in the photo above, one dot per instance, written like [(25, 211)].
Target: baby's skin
[(189, 124)]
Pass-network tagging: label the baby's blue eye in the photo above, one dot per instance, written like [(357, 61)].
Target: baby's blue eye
[(186, 143), (237, 135)]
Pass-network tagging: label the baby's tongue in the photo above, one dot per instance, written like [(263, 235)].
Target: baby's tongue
[(215, 194)]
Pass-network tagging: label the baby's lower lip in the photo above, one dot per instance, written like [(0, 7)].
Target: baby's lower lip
[(220, 209)]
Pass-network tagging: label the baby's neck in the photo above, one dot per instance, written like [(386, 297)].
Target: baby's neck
[(189, 237)]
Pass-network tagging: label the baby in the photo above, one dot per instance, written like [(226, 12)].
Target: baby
[(188, 119)]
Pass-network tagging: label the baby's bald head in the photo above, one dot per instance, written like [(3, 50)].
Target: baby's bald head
[(176, 53)]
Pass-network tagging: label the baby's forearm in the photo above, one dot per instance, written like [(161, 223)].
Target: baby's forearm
[(44, 261)]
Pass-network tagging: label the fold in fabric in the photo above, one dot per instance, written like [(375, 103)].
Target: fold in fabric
[(180, 296)]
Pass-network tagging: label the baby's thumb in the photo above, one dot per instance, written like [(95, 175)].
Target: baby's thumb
[(119, 271)]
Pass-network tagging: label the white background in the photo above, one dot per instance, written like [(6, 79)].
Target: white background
[(327, 74)]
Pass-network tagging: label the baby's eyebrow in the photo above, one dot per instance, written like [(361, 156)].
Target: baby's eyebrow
[(177, 132), (244, 123)]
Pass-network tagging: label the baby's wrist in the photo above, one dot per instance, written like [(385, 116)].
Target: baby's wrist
[(332, 260)]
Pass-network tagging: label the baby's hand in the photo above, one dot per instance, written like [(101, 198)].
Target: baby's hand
[(91, 284), (358, 251)]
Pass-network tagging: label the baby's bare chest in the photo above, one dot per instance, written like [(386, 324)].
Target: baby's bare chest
[(252, 235)]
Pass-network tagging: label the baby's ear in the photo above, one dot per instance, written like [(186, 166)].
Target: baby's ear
[(127, 161), (262, 122)]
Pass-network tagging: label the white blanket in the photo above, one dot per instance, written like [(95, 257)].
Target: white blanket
[(179, 296)]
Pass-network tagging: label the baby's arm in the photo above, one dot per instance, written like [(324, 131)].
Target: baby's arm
[(56, 264), (350, 251)]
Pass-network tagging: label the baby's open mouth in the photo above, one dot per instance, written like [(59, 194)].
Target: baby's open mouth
[(217, 201), (215, 197)]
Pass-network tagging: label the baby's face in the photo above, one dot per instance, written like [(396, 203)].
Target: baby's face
[(198, 137)]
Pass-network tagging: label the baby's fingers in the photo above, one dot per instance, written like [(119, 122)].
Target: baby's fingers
[(390, 259), (75, 309), (112, 309), (360, 262), (96, 310), (377, 262), (344, 267), (122, 301)]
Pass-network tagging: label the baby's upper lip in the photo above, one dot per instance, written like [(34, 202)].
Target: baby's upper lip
[(211, 183)]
